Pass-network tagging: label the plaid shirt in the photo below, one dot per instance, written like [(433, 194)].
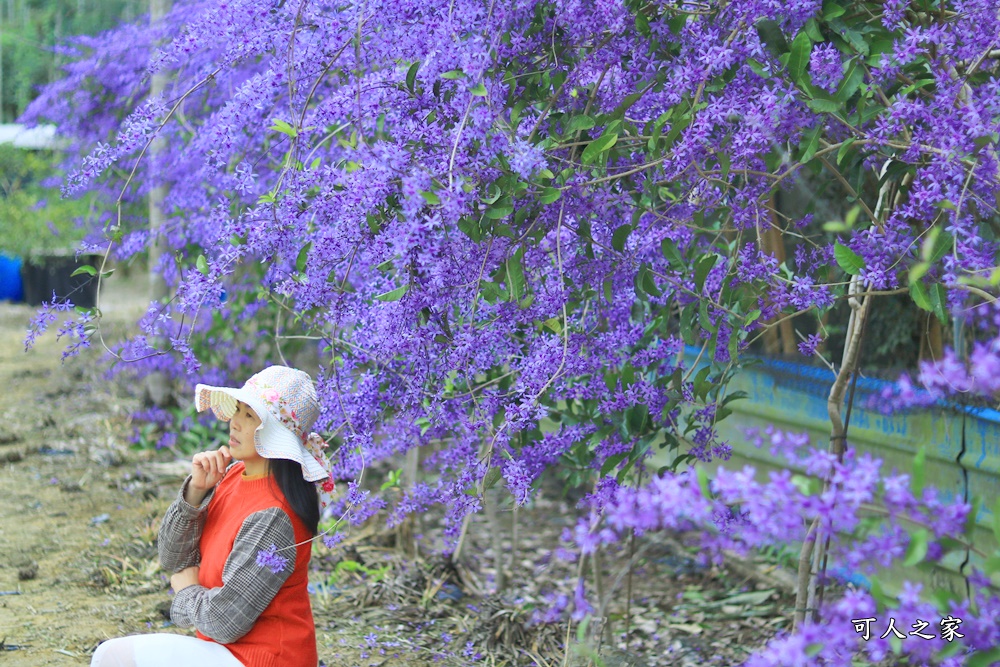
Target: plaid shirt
[(227, 613)]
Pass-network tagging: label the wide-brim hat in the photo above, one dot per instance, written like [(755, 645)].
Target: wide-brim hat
[(285, 400)]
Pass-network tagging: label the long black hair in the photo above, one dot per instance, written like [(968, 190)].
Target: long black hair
[(301, 495)]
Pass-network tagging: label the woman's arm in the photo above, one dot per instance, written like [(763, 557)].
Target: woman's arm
[(227, 613), (180, 531)]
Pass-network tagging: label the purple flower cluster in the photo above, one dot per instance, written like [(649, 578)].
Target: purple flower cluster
[(824, 66), (270, 559)]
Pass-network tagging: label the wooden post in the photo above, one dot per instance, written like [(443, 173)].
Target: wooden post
[(157, 385), (781, 339)]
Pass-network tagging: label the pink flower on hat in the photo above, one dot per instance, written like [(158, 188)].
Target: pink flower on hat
[(271, 395)]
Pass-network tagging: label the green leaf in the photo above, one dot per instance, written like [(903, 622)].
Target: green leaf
[(811, 143), (916, 551), (500, 209), (515, 275), (671, 252), (944, 598), (703, 484), (879, 594), (493, 476), (392, 481), (849, 85), (758, 68), (919, 295), (807, 486), (675, 131), (938, 296), (798, 57), (620, 236), (285, 128), (823, 106), (657, 129), (812, 29), (917, 271), (393, 295), (453, 74), (724, 165), (835, 226), (611, 463), (701, 269), (771, 35), (202, 265), (919, 467), (848, 260), (479, 90), (549, 195), (430, 197), (937, 244), (832, 10), (984, 658), (86, 268), (644, 282), (578, 123), (844, 148), (701, 383), (300, 261), (411, 76), (601, 144)]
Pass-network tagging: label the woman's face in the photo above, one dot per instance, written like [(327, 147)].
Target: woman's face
[(241, 429)]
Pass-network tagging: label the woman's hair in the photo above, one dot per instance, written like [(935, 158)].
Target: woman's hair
[(301, 495)]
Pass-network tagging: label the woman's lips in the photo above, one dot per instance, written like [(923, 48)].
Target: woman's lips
[(233, 442)]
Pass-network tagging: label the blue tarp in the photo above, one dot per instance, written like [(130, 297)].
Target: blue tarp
[(11, 287)]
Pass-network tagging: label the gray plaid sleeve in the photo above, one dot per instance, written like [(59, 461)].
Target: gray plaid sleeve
[(225, 614), (180, 532)]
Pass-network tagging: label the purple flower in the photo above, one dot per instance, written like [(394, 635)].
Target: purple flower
[(824, 66), (270, 559), (333, 539), (809, 345)]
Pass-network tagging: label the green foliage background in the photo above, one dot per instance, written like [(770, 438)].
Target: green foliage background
[(29, 31)]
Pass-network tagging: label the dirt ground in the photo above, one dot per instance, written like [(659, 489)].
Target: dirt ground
[(80, 508)]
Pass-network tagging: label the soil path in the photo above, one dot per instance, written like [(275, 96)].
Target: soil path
[(72, 528)]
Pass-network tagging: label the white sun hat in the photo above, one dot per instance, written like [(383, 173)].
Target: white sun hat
[(285, 400)]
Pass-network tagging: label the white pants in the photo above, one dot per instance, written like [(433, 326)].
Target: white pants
[(162, 650)]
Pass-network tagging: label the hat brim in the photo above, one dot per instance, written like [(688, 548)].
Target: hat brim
[(272, 439)]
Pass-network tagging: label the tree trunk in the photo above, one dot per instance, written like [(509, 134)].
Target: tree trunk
[(780, 340), (406, 534), (157, 384)]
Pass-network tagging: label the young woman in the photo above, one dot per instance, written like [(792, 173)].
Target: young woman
[(237, 539)]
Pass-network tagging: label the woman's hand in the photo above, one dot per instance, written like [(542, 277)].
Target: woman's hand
[(207, 469), (186, 577)]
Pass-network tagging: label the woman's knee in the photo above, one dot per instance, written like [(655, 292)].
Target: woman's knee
[(117, 652)]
